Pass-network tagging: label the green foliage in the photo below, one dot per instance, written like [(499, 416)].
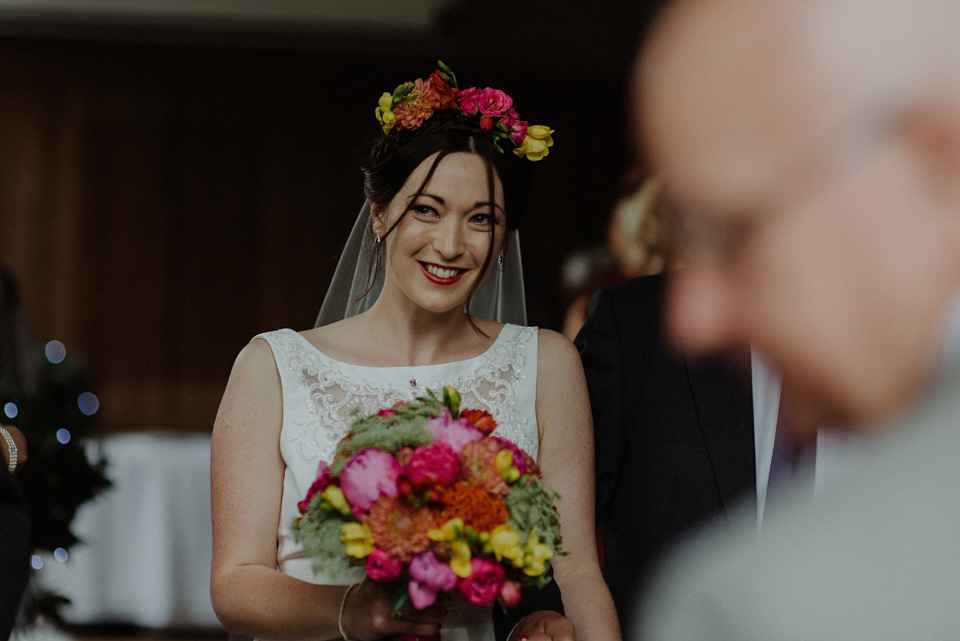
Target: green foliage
[(404, 427), (530, 505), (319, 533)]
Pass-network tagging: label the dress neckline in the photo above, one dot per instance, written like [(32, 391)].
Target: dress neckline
[(501, 336)]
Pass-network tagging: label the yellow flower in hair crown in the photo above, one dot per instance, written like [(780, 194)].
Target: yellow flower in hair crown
[(413, 103)]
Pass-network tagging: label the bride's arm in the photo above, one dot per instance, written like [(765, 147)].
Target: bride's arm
[(249, 595), (566, 461)]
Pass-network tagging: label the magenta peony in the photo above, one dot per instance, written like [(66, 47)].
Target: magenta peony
[(433, 463), (483, 584), (368, 475), (494, 103), (383, 567), (429, 575), (456, 434), (318, 486)]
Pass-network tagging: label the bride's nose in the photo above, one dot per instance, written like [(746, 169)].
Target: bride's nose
[(448, 238)]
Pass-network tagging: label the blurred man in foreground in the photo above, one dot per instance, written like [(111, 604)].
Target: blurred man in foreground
[(813, 150)]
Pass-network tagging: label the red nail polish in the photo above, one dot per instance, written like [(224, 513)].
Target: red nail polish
[(522, 637)]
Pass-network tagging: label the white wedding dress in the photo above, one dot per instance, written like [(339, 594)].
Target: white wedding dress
[(318, 392)]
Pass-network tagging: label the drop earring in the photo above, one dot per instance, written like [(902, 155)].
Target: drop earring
[(500, 258), (376, 239)]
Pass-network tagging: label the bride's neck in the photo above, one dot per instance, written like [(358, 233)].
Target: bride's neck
[(418, 337)]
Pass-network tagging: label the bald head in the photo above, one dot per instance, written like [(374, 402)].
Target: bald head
[(813, 150)]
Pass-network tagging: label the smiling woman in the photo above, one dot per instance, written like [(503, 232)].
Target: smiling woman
[(446, 181)]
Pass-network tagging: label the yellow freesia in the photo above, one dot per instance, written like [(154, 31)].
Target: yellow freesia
[(357, 539), (505, 543), (536, 145), (384, 112), (448, 532), (504, 465), (537, 554), (334, 496), (460, 559)]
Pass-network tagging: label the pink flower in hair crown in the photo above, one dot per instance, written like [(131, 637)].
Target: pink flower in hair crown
[(413, 103), (469, 101), (494, 103)]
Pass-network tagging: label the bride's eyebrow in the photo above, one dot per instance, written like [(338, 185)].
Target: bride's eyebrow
[(477, 205)]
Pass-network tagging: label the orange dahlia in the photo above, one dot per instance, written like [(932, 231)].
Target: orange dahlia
[(475, 506), (478, 459), (400, 528)]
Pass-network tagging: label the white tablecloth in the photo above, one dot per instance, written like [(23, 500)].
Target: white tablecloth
[(146, 554)]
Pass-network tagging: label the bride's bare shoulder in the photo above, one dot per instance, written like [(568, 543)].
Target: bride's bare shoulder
[(338, 340)]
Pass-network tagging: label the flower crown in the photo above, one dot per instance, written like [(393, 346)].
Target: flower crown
[(412, 103)]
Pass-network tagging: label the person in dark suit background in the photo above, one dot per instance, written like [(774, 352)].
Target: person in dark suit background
[(674, 439)]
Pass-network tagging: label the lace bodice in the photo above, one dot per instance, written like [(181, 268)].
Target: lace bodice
[(318, 392)]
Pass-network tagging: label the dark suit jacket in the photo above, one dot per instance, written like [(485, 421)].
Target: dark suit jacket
[(674, 440)]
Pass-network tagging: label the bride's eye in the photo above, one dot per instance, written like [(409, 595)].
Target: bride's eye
[(424, 211), (483, 220)]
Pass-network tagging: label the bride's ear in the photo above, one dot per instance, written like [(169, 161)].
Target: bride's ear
[(376, 219)]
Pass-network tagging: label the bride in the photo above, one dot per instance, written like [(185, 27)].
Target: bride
[(418, 301)]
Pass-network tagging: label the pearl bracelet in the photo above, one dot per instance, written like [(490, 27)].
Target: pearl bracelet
[(11, 449), (343, 606)]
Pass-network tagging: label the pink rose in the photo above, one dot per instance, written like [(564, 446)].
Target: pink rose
[(318, 486), (483, 584), (468, 100), (494, 102), (510, 118), (428, 575), (433, 463), (383, 567), (509, 594), (456, 434), (368, 475)]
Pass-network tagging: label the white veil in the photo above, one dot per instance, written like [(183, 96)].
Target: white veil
[(500, 297)]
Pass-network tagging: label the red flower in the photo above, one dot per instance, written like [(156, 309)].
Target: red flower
[(445, 92), (480, 419), (433, 463), (318, 486)]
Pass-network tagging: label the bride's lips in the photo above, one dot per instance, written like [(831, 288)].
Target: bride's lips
[(435, 278)]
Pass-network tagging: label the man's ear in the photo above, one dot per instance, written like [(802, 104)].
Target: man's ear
[(933, 131)]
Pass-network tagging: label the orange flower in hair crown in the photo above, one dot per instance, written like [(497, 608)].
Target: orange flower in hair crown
[(412, 103)]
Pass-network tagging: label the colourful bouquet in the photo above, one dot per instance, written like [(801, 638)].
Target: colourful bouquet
[(423, 495)]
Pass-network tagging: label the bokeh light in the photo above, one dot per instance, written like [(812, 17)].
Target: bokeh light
[(88, 403), (63, 435), (10, 410), (55, 352)]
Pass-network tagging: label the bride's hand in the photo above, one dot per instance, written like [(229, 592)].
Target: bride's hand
[(366, 614), (543, 625)]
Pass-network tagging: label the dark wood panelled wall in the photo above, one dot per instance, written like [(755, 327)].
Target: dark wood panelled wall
[(161, 204)]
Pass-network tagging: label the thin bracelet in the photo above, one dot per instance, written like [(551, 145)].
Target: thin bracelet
[(343, 606), (11, 449)]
